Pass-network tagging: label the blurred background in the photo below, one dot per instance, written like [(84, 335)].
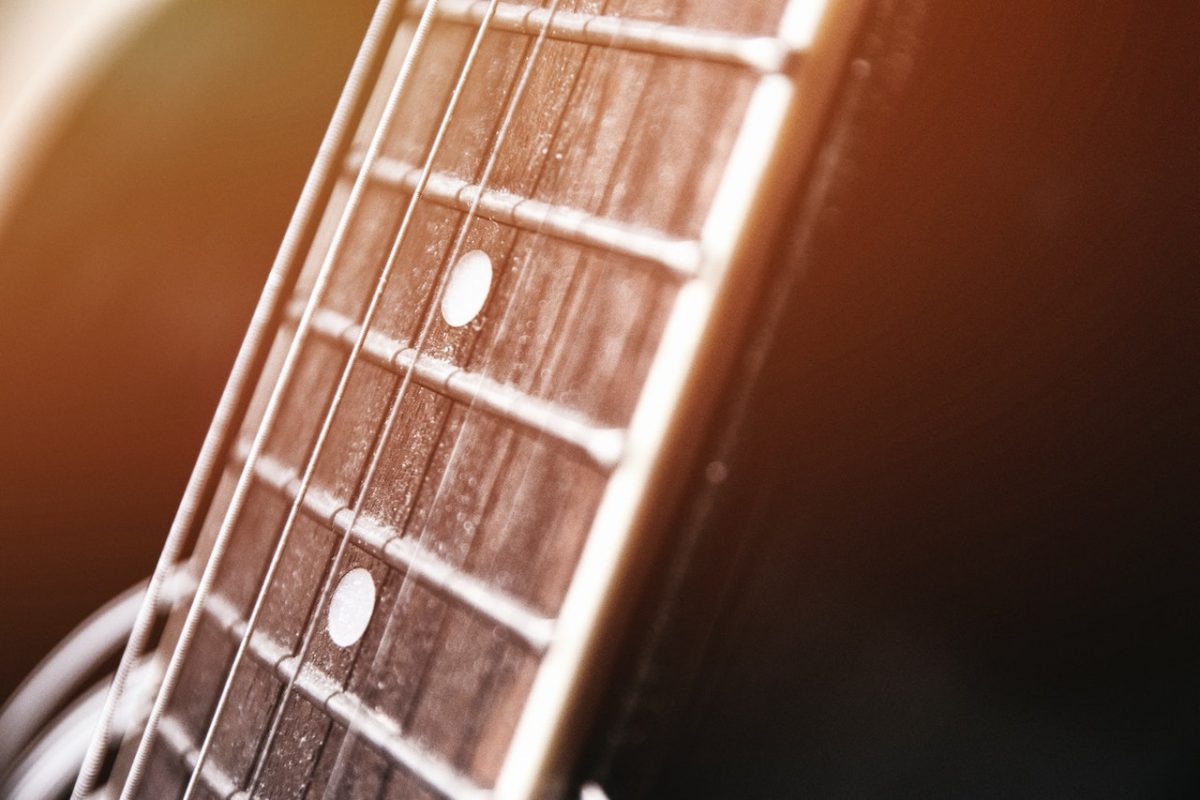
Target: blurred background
[(152, 153)]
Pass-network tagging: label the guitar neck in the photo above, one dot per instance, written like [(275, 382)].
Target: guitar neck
[(420, 533)]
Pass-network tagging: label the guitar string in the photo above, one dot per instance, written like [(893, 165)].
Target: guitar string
[(191, 622), (464, 227), (339, 392), (399, 602), (383, 650)]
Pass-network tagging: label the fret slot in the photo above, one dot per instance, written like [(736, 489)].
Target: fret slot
[(409, 556), (681, 258), (761, 53), (359, 718), (600, 445)]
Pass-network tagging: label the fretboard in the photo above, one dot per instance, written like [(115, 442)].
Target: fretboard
[(426, 516)]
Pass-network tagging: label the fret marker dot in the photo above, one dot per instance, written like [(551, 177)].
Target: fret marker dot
[(467, 290), (351, 607)]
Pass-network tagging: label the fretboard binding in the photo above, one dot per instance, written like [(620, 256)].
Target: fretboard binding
[(406, 554), (762, 53), (680, 257), (358, 717), (600, 445), (177, 740)]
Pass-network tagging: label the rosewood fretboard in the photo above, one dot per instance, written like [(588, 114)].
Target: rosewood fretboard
[(465, 468)]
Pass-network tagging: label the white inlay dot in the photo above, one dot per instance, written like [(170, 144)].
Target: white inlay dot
[(467, 290), (351, 607)]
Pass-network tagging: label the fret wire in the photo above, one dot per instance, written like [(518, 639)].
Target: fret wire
[(345, 707), (339, 130), (681, 258), (424, 333), (560, 349), (600, 445), (606, 192), (323, 278), (761, 53), (409, 556)]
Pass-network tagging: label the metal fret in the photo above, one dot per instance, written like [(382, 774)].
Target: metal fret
[(358, 717), (602, 446), (761, 53), (408, 555), (682, 258)]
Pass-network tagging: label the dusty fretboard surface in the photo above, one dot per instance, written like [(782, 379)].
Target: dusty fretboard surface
[(449, 398)]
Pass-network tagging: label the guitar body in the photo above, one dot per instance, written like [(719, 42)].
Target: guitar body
[(921, 525)]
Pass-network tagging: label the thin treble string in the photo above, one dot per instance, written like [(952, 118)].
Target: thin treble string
[(392, 416), (187, 632), (340, 391)]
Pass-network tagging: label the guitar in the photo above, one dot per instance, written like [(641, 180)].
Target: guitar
[(472, 501), (441, 399)]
